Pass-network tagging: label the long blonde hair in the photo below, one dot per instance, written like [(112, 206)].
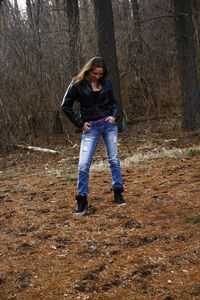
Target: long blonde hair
[(95, 62)]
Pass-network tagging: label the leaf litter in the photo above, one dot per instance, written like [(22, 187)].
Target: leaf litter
[(145, 250)]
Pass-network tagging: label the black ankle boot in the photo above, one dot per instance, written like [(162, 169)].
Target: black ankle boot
[(118, 199), (82, 204)]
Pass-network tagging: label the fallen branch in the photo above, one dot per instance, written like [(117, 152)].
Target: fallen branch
[(36, 149)]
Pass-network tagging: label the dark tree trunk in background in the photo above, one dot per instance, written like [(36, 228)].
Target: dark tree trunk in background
[(1, 11), (107, 48), (136, 26), (34, 13), (87, 31), (17, 11), (29, 14), (196, 12), (37, 35), (187, 65), (2, 21), (73, 33), (58, 127)]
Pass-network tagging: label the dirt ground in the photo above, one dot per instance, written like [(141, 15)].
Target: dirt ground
[(145, 250)]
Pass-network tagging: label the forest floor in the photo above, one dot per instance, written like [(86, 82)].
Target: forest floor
[(144, 250)]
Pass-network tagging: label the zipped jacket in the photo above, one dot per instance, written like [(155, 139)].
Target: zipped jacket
[(91, 108)]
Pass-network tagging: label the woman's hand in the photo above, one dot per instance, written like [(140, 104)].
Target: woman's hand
[(111, 119), (86, 127)]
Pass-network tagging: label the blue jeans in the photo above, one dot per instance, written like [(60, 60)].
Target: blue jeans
[(90, 139)]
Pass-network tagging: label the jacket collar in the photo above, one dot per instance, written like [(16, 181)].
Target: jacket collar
[(89, 85)]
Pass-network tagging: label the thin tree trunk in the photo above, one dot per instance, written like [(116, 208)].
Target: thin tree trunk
[(107, 48), (187, 65), (73, 31), (2, 21), (196, 12), (17, 11), (136, 26), (29, 13)]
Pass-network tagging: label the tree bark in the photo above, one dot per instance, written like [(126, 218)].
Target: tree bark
[(136, 26), (107, 48), (29, 14), (2, 21), (196, 12), (73, 32), (187, 65)]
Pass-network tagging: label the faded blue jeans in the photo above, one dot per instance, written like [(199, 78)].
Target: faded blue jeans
[(90, 139)]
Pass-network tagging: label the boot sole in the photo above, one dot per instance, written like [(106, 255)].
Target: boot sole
[(120, 204), (80, 213)]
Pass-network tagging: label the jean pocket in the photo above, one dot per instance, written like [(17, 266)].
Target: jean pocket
[(87, 130), (115, 123)]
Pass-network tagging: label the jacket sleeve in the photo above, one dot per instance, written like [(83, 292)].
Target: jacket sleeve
[(67, 106), (113, 102)]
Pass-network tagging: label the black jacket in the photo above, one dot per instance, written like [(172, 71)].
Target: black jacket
[(91, 108)]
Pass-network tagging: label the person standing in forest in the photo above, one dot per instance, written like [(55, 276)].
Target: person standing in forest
[(98, 116)]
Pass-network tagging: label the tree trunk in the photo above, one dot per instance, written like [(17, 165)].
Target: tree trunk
[(2, 21), (58, 127), (196, 12), (136, 26), (187, 65), (29, 14), (73, 32), (1, 12), (17, 11), (107, 48)]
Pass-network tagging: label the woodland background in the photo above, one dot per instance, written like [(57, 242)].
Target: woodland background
[(37, 62), (148, 249)]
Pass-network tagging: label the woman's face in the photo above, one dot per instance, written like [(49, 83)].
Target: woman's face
[(95, 74)]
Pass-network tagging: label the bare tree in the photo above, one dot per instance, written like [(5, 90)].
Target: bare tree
[(87, 37), (187, 64), (196, 13), (107, 48), (73, 34), (29, 13), (40, 52), (1, 14), (136, 26)]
